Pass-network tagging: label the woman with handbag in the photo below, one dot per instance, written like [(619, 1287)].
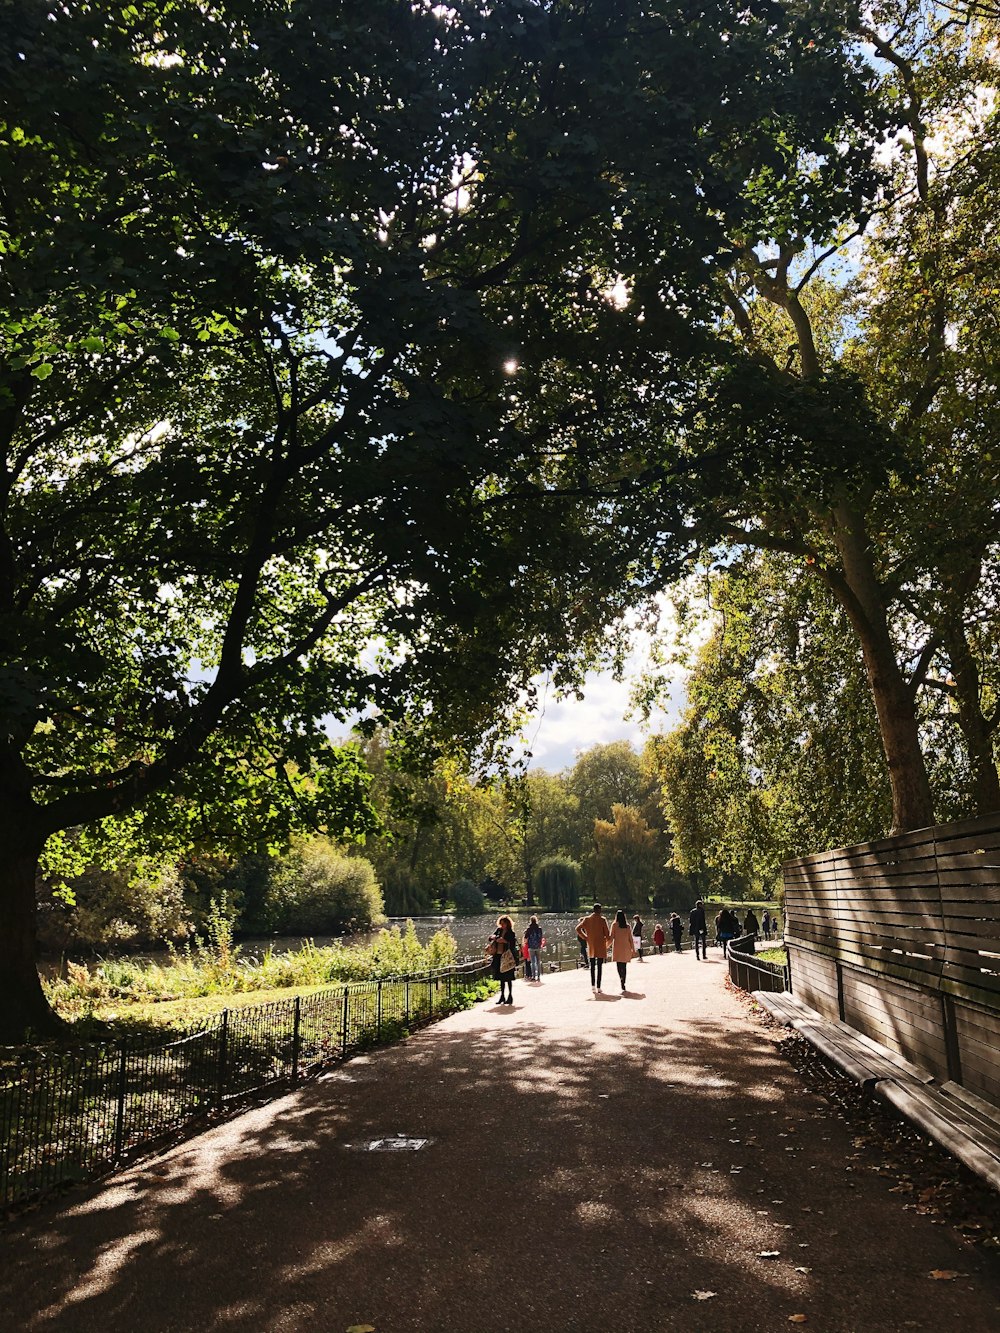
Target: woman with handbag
[(502, 948)]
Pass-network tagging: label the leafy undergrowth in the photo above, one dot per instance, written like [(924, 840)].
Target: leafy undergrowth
[(217, 973), (927, 1179)]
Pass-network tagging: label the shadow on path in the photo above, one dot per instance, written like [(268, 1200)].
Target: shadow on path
[(591, 1166)]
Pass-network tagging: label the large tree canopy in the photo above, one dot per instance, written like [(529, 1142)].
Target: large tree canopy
[(306, 313)]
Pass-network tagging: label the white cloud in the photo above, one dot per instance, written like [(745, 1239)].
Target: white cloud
[(563, 728)]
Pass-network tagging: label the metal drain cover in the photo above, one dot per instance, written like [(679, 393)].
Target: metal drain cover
[(396, 1144)]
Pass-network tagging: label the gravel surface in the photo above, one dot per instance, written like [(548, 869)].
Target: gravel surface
[(614, 1163)]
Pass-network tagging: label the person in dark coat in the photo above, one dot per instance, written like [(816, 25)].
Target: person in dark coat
[(676, 928), (698, 929), (503, 938), (727, 927), (750, 923)]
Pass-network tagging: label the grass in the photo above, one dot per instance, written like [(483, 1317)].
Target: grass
[(778, 955)]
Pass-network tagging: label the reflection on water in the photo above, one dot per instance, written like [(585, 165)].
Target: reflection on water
[(471, 933)]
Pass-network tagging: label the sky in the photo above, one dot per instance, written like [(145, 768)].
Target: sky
[(561, 729)]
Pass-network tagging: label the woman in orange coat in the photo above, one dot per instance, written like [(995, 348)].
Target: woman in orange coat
[(622, 944)]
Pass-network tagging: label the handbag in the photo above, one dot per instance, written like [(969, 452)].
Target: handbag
[(507, 962), (492, 947)]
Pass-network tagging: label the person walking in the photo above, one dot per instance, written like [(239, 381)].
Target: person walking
[(726, 929), (765, 924), (533, 939), (593, 929), (503, 958), (698, 929), (637, 929), (659, 939), (750, 924), (623, 948), (676, 928)]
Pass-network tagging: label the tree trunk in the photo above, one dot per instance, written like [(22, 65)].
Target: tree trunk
[(974, 727), (912, 803), (25, 1013)]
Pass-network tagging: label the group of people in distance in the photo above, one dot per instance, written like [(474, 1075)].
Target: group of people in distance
[(599, 938)]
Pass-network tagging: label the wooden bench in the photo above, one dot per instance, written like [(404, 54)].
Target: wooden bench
[(965, 1125)]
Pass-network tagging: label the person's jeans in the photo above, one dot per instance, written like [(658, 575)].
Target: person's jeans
[(596, 968), (535, 956), (701, 944), (621, 972)]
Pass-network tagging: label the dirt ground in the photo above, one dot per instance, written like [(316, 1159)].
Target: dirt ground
[(630, 1163)]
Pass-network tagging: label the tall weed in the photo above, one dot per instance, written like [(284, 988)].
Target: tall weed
[(215, 967)]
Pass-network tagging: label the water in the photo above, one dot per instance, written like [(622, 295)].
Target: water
[(470, 932)]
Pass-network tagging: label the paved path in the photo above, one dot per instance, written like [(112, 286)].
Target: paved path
[(594, 1162)]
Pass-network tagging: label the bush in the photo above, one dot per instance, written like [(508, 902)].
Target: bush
[(557, 884), (316, 890), (128, 907), (216, 968), (467, 898)]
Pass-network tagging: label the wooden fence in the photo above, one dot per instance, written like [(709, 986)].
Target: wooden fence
[(900, 939)]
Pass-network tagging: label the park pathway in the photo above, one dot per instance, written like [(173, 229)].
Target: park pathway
[(595, 1164)]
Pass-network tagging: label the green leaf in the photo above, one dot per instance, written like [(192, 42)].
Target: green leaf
[(43, 371)]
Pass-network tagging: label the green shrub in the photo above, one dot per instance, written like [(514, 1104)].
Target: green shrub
[(467, 898), (316, 890), (126, 907)]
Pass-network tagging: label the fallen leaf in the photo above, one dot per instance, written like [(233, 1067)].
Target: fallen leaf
[(769, 1254), (361, 1328), (798, 1319), (944, 1274), (803, 1270), (704, 1295)]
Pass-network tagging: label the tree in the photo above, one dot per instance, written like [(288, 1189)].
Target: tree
[(626, 864), (252, 380), (531, 820), (557, 883), (284, 289), (778, 752)]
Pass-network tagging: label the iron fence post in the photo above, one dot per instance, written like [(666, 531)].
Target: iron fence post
[(223, 1057), (296, 1037), (378, 1010), (343, 1032), (120, 1104), (430, 996), (406, 1000)]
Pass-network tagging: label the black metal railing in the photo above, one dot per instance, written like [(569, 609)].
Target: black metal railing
[(752, 973), (73, 1115)]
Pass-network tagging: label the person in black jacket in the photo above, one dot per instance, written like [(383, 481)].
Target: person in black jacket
[(676, 926), (503, 939), (698, 929)]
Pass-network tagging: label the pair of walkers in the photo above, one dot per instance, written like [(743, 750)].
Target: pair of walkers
[(602, 938)]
